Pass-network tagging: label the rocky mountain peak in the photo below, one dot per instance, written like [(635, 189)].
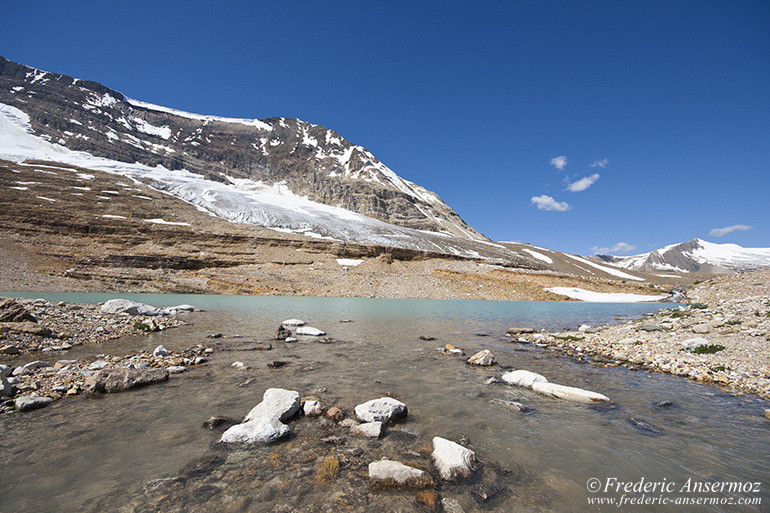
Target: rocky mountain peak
[(306, 159)]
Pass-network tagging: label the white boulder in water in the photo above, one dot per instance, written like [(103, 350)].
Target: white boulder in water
[(453, 461), (383, 409), (114, 306), (484, 358), (523, 378), (293, 322), (568, 393), (308, 330), (277, 403), (395, 473), (259, 430)]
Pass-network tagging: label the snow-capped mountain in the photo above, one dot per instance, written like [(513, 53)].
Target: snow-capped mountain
[(696, 255), (283, 174), (280, 157)]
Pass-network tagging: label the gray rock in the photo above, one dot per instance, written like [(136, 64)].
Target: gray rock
[(173, 310), (283, 333), (32, 403), (259, 430), (368, 429), (118, 380), (6, 389), (176, 369), (701, 328), (160, 351), (483, 358), (5, 370), (98, 364), (453, 461), (384, 409), (652, 327), (12, 311), (519, 331), (451, 505), (523, 378), (393, 473), (277, 403), (10, 349), (114, 306), (511, 405)]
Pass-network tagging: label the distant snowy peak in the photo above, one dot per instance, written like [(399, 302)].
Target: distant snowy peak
[(696, 255), (311, 161)]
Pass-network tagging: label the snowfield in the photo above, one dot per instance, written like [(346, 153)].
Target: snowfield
[(602, 297)]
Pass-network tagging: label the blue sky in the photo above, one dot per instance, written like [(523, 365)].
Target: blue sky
[(472, 99)]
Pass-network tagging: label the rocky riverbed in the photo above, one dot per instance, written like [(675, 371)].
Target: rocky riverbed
[(47, 329), (721, 336)]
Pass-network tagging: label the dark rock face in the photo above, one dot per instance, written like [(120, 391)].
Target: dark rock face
[(117, 380), (283, 333), (311, 160), (11, 311)]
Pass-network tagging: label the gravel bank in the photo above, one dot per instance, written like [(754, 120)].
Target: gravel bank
[(721, 336)]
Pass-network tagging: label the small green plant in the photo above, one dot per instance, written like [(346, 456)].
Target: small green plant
[(758, 313), (708, 349), (676, 314), (139, 325), (699, 306), (734, 322), (637, 343), (720, 368), (571, 338)]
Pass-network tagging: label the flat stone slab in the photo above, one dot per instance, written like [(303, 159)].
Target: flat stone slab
[(277, 403), (260, 430), (569, 393), (117, 380), (32, 403), (523, 378), (393, 473)]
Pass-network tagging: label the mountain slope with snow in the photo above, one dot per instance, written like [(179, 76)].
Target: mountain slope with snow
[(307, 160), (696, 255)]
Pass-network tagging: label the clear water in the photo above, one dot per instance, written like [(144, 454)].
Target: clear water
[(64, 457)]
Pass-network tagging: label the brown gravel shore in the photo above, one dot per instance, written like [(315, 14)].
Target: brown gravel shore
[(722, 336)]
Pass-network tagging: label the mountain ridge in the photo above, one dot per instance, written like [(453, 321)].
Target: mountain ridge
[(309, 160), (694, 256)]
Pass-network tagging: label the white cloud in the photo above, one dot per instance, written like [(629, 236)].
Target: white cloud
[(559, 162), (721, 232), (544, 202), (620, 247), (602, 163), (583, 184)]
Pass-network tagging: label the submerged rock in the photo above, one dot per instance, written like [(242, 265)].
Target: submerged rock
[(484, 358), (368, 429), (259, 430), (217, 421), (483, 492), (393, 473), (32, 403), (568, 393), (429, 500), (523, 378), (384, 409), (118, 380), (511, 405), (452, 460), (277, 403), (644, 426)]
